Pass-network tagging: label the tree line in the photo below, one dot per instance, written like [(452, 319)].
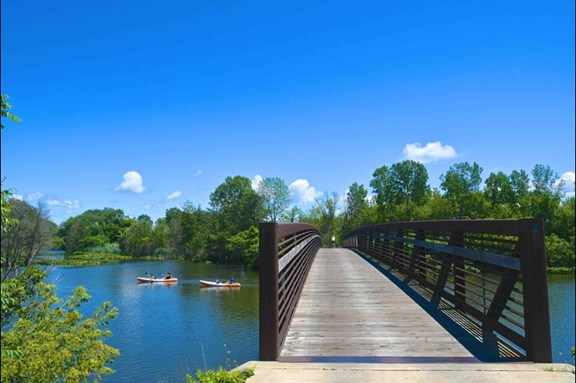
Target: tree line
[(227, 232)]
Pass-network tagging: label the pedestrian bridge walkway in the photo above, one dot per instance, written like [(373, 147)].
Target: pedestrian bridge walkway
[(349, 310)]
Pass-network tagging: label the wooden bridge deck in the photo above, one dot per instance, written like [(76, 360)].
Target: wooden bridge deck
[(350, 311)]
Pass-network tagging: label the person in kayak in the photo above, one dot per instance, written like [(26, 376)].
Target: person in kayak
[(168, 276), (232, 280)]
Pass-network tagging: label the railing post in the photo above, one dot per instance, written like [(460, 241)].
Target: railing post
[(269, 343), (457, 239), (535, 285)]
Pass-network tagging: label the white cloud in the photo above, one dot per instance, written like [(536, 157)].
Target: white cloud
[(34, 196), (175, 195), (433, 151), (18, 197), (198, 173), (256, 181), (132, 182), (303, 192), (66, 204), (569, 178)]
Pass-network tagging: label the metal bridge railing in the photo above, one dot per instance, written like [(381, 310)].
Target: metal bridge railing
[(492, 272), (286, 254)]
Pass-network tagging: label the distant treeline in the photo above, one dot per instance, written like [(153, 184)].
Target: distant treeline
[(227, 232)]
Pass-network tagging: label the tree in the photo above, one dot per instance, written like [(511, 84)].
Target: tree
[(195, 224), (138, 240), (45, 339), (30, 232), (5, 107), (237, 205), (242, 248), (498, 189), (235, 208), (403, 182), (356, 205), (6, 194), (293, 214), (94, 229), (546, 195), (461, 184), (275, 197), (323, 215)]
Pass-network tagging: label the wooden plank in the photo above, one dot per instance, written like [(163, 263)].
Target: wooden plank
[(348, 308)]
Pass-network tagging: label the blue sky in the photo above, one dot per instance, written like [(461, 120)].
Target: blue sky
[(142, 105)]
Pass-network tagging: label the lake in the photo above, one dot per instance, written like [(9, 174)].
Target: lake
[(165, 331)]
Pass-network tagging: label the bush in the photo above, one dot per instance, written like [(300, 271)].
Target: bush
[(221, 376), (559, 252), (108, 248)]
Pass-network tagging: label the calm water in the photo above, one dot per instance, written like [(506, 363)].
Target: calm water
[(166, 331)]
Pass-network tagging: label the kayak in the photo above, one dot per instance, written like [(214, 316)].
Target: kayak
[(152, 280), (219, 284)]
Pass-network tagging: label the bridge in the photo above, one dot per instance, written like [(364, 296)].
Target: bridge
[(426, 296)]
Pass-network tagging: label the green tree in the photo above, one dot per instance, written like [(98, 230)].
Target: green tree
[(356, 207), (324, 215), (235, 208), (461, 185), (403, 182), (195, 226), (275, 197), (138, 239), (237, 205), (293, 214), (6, 194), (5, 108), (498, 189), (94, 228), (29, 232), (45, 339), (242, 248), (546, 195)]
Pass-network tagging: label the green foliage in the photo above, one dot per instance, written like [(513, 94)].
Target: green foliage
[(7, 220), (96, 227), (461, 185), (236, 205), (292, 214), (46, 339), (560, 253), (30, 232), (5, 107), (138, 239), (243, 248), (356, 213), (221, 376), (323, 215), (275, 197), (404, 182), (87, 259)]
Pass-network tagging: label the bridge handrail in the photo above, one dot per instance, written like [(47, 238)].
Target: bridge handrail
[(286, 254), (492, 271)]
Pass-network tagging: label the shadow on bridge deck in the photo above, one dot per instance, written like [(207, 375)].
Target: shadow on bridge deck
[(354, 310)]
